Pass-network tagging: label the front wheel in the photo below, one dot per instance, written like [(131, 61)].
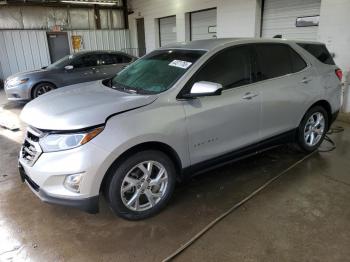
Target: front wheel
[(313, 129), (42, 88), (141, 185)]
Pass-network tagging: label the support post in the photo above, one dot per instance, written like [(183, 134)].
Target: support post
[(125, 13), (97, 16)]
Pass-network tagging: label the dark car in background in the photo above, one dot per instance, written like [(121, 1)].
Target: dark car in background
[(72, 69)]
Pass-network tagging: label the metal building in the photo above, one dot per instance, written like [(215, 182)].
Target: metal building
[(34, 34)]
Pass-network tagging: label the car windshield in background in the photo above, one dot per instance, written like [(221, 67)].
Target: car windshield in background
[(61, 62), (156, 72)]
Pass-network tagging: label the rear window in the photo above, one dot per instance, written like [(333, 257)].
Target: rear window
[(319, 51)]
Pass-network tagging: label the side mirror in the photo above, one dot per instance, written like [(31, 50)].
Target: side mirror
[(204, 88), (68, 67)]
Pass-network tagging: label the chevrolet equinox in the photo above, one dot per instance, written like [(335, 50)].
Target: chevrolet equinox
[(181, 109)]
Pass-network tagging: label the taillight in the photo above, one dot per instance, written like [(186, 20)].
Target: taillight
[(339, 74)]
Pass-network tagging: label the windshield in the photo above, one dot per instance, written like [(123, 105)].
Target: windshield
[(156, 72), (61, 62)]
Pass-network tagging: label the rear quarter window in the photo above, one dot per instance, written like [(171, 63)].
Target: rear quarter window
[(297, 62), (319, 51)]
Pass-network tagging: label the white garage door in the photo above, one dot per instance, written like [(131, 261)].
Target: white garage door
[(167, 30), (280, 18), (203, 24)]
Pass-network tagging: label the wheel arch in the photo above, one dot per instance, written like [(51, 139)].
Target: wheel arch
[(157, 146), (326, 105), (36, 84)]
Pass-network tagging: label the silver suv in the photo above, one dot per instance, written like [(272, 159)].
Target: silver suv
[(179, 110)]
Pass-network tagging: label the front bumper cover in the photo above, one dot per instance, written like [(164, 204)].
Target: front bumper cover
[(18, 93), (89, 205)]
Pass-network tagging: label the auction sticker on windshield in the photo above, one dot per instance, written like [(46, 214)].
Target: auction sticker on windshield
[(180, 63)]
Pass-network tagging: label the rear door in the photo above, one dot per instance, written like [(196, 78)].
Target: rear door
[(221, 124), (286, 84)]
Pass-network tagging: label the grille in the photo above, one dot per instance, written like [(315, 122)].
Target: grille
[(31, 150)]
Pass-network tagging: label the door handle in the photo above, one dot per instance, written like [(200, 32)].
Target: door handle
[(305, 80), (249, 96)]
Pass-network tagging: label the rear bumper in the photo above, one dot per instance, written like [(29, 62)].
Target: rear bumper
[(89, 204)]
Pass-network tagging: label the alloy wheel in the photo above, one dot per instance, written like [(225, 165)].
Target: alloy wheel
[(314, 129), (144, 186), (43, 89)]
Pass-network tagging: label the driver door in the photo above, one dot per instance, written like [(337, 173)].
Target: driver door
[(84, 69), (218, 125)]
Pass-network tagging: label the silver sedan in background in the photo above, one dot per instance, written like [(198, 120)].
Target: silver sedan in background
[(72, 69)]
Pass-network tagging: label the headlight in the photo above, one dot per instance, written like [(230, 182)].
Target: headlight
[(59, 142), (16, 81)]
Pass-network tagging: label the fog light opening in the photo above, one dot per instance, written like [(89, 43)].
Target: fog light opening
[(72, 182)]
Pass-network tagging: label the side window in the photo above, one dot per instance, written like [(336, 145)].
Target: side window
[(273, 60), (85, 61), (110, 59), (125, 59), (107, 59), (319, 51), (231, 68), (298, 63)]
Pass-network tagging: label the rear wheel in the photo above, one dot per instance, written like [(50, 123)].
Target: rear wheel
[(141, 185), (42, 88), (313, 129)]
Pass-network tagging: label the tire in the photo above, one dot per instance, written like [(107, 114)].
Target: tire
[(42, 88), (133, 192), (309, 128)]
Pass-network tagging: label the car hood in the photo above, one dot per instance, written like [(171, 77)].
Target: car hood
[(80, 106)]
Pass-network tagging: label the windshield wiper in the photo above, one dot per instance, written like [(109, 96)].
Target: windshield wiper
[(124, 88)]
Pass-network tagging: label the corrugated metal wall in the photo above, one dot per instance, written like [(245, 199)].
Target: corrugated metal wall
[(167, 30), (280, 16), (103, 39), (22, 50), (200, 23), (42, 17)]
